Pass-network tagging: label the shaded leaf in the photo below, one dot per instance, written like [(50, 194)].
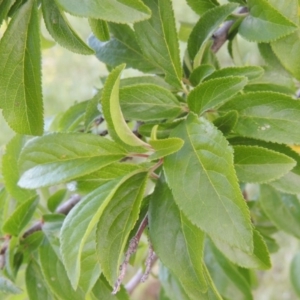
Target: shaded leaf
[(263, 15), (258, 259), (204, 185), (8, 287), (10, 170), (55, 199), (266, 115), (4, 9), (125, 11), (55, 274), (206, 26), (70, 155), (172, 232), (260, 165), (35, 283), (20, 72), (20, 217), (159, 42), (147, 102), (117, 219), (208, 95), (201, 6), (60, 29), (200, 73), (226, 122), (282, 209)]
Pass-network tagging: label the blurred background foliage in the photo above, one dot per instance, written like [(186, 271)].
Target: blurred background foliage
[(69, 78)]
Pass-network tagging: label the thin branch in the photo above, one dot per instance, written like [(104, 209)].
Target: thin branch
[(133, 245), (151, 256)]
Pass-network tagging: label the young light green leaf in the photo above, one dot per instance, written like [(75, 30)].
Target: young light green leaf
[(259, 165), (267, 116), (35, 283), (159, 42), (122, 48), (90, 268), (102, 290), (20, 72), (8, 287), (99, 29), (55, 274), (60, 29), (226, 122), (117, 126), (263, 15), (20, 217), (289, 59), (201, 6), (125, 11), (148, 102), (282, 209), (70, 120), (202, 178), (10, 170), (288, 8), (251, 72), (229, 282), (165, 147), (4, 205), (117, 220), (206, 26), (294, 273), (210, 94), (162, 131), (200, 73), (258, 259), (70, 155), (84, 218), (172, 232)]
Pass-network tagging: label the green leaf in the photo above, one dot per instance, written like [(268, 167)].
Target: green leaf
[(172, 232), (5, 6), (31, 242), (282, 209), (93, 180), (148, 102), (117, 126), (70, 155), (201, 6), (229, 282), (267, 116), (60, 29), (141, 80), (117, 219), (8, 287), (251, 72), (20, 72), (162, 131), (123, 47), (90, 268), (159, 42), (294, 273), (289, 59), (288, 8), (263, 15), (125, 11), (20, 217), (102, 290), (35, 283), (258, 259), (99, 29), (210, 94), (55, 274), (259, 165), (71, 119), (10, 170), (165, 147), (206, 26), (200, 73), (202, 178), (4, 205), (269, 87), (55, 199), (226, 122)]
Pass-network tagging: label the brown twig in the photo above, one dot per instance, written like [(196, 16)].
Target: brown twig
[(133, 244), (62, 209), (221, 35)]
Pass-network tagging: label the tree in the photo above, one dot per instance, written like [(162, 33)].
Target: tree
[(193, 157)]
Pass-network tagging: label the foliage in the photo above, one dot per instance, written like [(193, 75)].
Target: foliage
[(195, 155)]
